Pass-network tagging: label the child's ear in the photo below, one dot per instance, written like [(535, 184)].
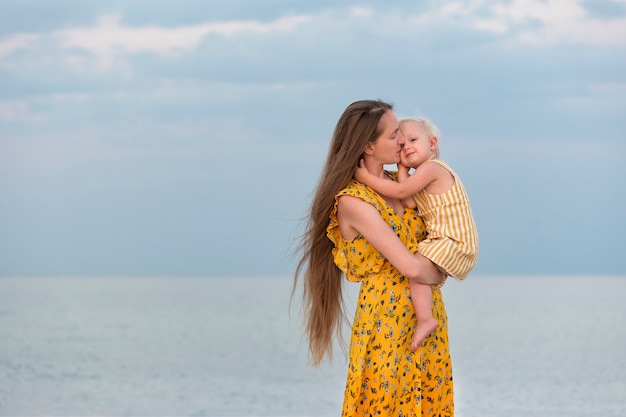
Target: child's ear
[(434, 141)]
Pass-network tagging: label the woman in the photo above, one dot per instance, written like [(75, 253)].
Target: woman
[(355, 231)]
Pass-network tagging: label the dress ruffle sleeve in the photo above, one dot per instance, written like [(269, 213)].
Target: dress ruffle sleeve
[(357, 258)]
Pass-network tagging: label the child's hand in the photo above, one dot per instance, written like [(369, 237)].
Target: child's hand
[(361, 172), (403, 172)]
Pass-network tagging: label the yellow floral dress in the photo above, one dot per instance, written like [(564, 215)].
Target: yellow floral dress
[(384, 377)]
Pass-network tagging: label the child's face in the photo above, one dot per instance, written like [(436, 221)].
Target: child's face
[(418, 145)]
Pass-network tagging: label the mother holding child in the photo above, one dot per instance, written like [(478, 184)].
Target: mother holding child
[(399, 361)]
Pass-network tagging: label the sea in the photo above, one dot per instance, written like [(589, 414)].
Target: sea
[(233, 346)]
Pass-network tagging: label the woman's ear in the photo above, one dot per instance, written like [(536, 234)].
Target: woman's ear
[(369, 149)]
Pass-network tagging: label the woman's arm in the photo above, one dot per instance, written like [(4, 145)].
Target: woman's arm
[(420, 179), (355, 217)]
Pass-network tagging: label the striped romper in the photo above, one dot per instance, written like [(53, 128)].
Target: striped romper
[(452, 239)]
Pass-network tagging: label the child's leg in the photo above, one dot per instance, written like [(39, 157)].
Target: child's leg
[(422, 299)]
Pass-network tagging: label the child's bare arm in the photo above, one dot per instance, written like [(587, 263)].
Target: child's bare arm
[(403, 174), (400, 190)]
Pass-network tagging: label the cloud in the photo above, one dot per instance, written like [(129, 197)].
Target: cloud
[(552, 22), (527, 22), (16, 42), (17, 111), (109, 39), (361, 12)]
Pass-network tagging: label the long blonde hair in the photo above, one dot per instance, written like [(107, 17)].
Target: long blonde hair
[(322, 280)]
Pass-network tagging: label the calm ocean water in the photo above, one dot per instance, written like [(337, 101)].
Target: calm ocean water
[(521, 346)]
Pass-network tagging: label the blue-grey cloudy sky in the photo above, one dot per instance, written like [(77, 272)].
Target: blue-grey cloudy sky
[(173, 138)]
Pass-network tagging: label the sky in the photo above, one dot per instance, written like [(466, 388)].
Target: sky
[(186, 138)]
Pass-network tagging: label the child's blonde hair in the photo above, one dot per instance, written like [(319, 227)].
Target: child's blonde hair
[(430, 127)]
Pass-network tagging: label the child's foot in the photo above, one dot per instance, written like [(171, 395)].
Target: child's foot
[(423, 329)]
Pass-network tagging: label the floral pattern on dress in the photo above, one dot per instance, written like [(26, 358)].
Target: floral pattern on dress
[(384, 377)]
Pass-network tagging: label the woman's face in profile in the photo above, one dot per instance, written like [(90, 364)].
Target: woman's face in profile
[(388, 145)]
